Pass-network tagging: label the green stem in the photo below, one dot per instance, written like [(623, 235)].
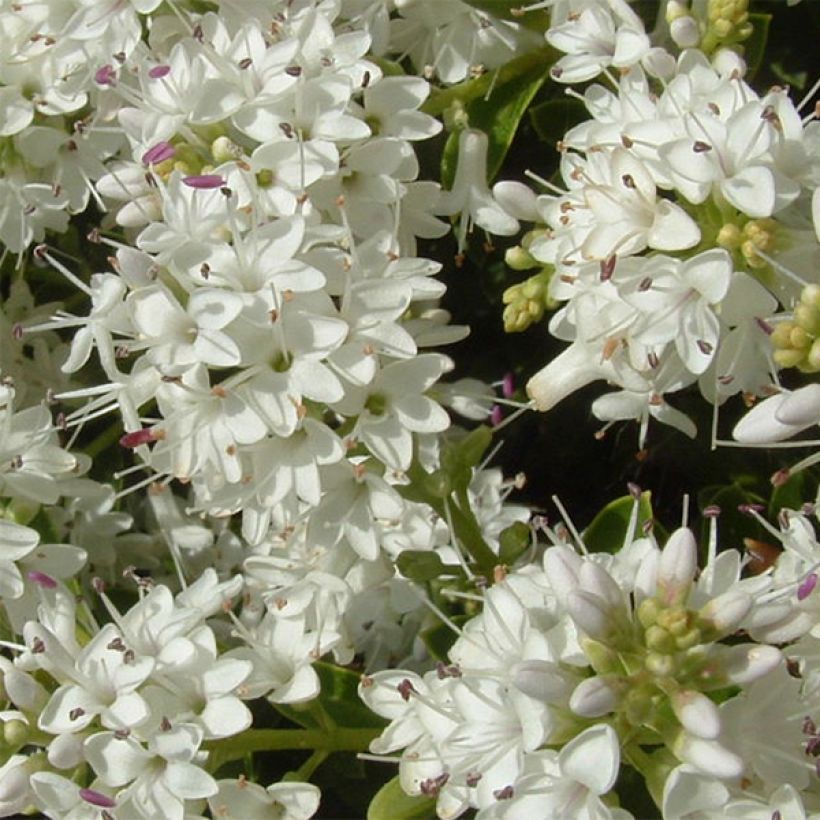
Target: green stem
[(340, 739)]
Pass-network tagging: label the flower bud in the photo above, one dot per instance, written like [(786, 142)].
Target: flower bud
[(685, 32), (679, 561), (725, 612), (697, 713), (591, 614), (746, 663), (561, 565), (595, 697), (708, 756)]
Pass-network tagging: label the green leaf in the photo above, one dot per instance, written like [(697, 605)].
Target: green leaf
[(792, 494), (391, 803), (513, 541), (424, 565), (553, 118), (755, 46), (607, 530), (460, 456), (498, 115)]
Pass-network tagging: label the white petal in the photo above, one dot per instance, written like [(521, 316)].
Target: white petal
[(592, 758)]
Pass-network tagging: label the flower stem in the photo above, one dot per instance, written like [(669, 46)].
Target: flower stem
[(340, 739)]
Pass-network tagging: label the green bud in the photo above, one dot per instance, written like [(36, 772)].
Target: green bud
[(15, 733), (688, 639), (421, 565), (660, 665), (519, 259), (223, 149), (729, 236), (659, 640), (648, 611)]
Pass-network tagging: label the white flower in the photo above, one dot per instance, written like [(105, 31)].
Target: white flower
[(394, 407), (160, 777), (470, 196), (597, 37), (241, 800)]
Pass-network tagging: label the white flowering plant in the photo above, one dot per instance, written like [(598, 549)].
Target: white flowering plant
[(307, 308)]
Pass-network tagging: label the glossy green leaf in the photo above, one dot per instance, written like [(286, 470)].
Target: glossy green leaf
[(607, 530), (391, 803), (553, 118), (424, 565), (791, 495), (514, 541)]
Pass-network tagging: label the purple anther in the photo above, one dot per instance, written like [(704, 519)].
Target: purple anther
[(98, 799), (105, 75), (158, 153), (508, 385), (805, 589), (41, 579), (204, 181), (496, 415), (139, 437), (159, 71)]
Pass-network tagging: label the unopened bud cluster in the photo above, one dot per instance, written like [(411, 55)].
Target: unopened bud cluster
[(795, 341)]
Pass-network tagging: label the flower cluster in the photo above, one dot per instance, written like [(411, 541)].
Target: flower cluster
[(613, 657), (680, 155), (244, 500)]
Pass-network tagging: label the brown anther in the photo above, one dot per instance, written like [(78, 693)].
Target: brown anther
[(405, 689), (608, 267), (656, 400), (780, 477), (701, 147), (288, 295), (499, 573), (365, 79), (626, 141), (340, 201), (231, 450), (629, 181), (609, 348), (76, 713), (245, 63), (165, 724), (714, 108), (459, 260), (219, 391)]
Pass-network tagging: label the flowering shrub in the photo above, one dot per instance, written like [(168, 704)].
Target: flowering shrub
[(258, 544)]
